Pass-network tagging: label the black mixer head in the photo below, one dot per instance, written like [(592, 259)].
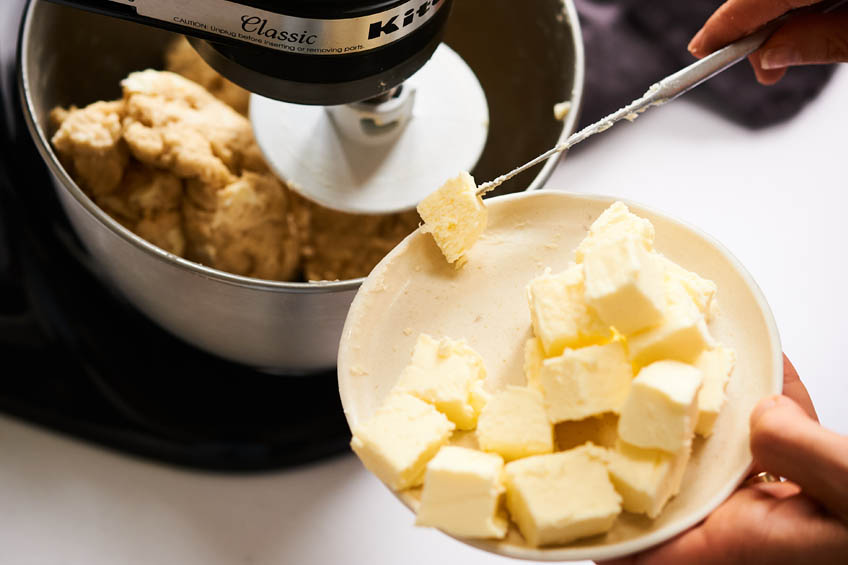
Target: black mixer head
[(322, 52)]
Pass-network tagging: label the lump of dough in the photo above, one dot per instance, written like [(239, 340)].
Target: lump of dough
[(342, 246), (89, 143), (175, 124), (148, 202), (245, 228), (181, 58), (196, 184)]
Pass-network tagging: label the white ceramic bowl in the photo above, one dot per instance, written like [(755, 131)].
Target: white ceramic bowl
[(414, 290)]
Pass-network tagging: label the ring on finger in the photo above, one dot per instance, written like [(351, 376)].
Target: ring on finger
[(764, 477)]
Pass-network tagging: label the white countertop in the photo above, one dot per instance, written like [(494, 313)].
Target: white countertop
[(776, 198)]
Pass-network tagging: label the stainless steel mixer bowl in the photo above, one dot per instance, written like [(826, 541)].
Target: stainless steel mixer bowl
[(527, 57)]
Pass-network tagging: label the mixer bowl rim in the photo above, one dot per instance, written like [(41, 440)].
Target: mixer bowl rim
[(318, 287)]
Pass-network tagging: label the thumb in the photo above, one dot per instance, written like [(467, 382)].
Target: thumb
[(807, 39), (787, 442)]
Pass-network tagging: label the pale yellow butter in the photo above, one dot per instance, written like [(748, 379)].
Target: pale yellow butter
[(561, 109), (682, 335), (399, 440), (455, 216), (585, 382), (559, 313), (514, 424), (462, 494), (625, 283), (561, 497), (448, 374), (716, 365), (701, 290), (661, 410), (646, 478), (615, 221), (534, 356)]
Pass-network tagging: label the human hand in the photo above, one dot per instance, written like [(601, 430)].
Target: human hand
[(803, 40), (801, 520)]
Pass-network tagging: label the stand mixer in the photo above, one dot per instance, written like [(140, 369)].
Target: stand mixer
[(71, 57), (342, 108), (153, 354)]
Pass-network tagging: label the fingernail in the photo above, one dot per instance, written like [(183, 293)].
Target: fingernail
[(779, 57), (695, 45), (764, 406)]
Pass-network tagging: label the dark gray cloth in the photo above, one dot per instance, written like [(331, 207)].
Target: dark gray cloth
[(630, 44)]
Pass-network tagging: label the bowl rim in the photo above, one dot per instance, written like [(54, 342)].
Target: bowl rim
[(653, 538), (98, 215)]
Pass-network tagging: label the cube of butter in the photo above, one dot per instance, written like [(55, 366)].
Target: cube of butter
[(615, 221), (561, 497), (462, 493), (716, 365), (448, 374), (559, 312), (661, 410), (625, 284), (399, 440), (701, 290), (514, 424), (646, 478), (599, 430), (682, 335), (586, 382), (534, 356), (455, 216)]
